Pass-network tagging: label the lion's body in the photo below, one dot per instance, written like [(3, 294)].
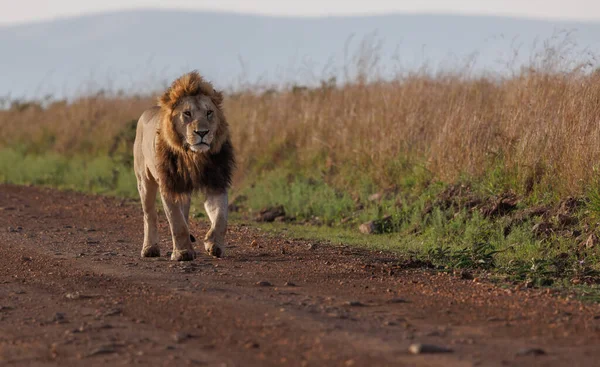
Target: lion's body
[(183, 146)]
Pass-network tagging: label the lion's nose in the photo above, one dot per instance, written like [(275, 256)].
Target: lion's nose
[(202, 133)]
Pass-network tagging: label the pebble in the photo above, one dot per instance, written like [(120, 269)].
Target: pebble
[(397, 300), (103, 349), (252, 345), (428, 349), (264, 283), (76, 295), (531, 352), (290, 284), (113, 312), (466, 275), (59, 318), (355, 304), (181, 337)]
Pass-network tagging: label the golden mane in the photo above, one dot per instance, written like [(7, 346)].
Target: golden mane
[(180, 170), (190, 84)]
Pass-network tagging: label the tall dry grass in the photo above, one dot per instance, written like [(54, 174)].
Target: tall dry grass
[(543, 127)]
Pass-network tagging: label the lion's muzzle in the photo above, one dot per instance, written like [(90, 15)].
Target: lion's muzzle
[(201, 133)]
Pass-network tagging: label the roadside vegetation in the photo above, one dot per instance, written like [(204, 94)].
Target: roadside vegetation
[(451, 169)]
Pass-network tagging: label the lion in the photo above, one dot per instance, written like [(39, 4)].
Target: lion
[(183, 146)]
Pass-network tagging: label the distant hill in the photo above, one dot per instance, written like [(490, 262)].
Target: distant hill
[(139, 50)]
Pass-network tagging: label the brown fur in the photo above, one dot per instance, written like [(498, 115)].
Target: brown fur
[(181, 170)]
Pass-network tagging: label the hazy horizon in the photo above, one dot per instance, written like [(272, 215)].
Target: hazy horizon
[(27, 11)]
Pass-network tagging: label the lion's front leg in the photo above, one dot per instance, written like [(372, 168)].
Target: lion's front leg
[(147, 188), (216, 208), (182, 245)]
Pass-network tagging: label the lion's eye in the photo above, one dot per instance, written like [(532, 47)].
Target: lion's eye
[(209, 113), (187, 113)]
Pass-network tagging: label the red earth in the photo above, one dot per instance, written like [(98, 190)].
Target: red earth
[(74, 291)]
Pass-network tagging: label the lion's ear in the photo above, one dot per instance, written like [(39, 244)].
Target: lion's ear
[(217, 98)]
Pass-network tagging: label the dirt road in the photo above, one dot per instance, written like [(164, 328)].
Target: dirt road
[(74, 291)]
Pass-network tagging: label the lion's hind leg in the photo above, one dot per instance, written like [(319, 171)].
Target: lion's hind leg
[(186, 213), (147, 188)]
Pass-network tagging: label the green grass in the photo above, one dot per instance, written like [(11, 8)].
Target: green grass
[(302, 197), (100, 175)]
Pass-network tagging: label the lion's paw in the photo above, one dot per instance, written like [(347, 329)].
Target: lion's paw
[(213, 249), (183, 255), (151, 251)]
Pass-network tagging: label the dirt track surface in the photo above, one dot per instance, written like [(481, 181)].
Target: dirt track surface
[(74, 291)]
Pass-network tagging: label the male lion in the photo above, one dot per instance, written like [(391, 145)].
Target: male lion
[(183, 146)]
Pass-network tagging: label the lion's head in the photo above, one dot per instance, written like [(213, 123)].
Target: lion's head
[(193, 119), (193, 146)]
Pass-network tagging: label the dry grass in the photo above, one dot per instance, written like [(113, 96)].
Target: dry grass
[(543, 127)]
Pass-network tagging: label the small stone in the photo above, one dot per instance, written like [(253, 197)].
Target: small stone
[(376, 226), (59, 318), (428, 349), (77, 295), (397, 300), (312, 246), (466, 275), (367, 228), (355, 304), (264, 283), (290, 284), (525, 352), (269, 214), (252, 345), (113, 312), (181, 337), (103, 349), (255, 244)]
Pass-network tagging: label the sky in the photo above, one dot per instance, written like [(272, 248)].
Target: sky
[(24, 11)]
